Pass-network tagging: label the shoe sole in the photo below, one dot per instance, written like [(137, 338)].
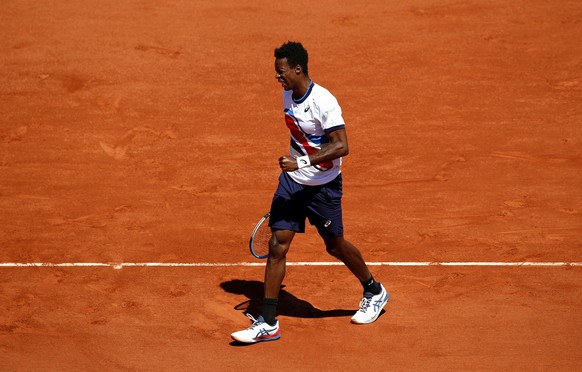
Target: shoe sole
[(254, 341)]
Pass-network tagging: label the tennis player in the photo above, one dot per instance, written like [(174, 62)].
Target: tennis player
[(310, 187)]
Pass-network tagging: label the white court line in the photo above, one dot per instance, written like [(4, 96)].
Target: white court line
[(262, 263)]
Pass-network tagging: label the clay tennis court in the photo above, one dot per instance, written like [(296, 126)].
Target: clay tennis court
[(149, 131)]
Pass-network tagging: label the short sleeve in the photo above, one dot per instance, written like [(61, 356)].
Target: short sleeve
[(331, 113)]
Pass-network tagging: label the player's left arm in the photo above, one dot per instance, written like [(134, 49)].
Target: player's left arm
[(335, 148)]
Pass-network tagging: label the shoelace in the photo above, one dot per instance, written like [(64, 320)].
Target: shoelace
[(253, 320), (365, 303)]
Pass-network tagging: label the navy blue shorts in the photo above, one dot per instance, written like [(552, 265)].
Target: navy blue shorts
[(293, 203)]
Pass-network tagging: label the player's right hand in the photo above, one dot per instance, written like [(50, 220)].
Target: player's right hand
[(288, 163)]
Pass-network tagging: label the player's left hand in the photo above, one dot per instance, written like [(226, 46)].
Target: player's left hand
[(288, 163)]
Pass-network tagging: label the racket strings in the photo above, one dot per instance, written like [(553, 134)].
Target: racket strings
[(261, 240)]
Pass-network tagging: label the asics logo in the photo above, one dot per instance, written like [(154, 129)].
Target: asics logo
[(303, 161), (266, 333), (378, 303)]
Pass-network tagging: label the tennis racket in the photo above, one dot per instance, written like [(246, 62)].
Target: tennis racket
[(259, 243)]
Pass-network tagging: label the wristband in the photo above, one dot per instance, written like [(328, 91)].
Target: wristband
[(303, 161)]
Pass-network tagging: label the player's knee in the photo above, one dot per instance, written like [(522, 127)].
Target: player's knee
[(338, 247), (333, 247), (277, 250), (331, 251)]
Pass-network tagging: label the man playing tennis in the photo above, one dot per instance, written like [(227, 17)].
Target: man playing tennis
[(310, 186)]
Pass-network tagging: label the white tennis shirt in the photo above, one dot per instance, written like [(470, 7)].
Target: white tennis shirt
[(309, 119)]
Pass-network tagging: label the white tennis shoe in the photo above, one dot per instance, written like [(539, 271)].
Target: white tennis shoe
[(258, 331), (370, 307)]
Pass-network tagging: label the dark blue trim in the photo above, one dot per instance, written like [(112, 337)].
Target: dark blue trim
[(333, 129), (300, 100)]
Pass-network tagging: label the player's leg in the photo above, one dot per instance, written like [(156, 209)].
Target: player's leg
[(276, 262), (325, 212), (347, 253), (266, 326), (375, 295), (275, 271), (287, 217)]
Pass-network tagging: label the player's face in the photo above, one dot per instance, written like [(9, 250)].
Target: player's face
[(285, 74)]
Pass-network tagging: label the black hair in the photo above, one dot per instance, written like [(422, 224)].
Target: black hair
[(295, 54)]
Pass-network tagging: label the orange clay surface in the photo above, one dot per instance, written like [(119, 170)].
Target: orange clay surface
[(149, 131)]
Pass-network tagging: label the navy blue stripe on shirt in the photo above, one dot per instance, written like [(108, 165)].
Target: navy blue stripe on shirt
[(297, 148), (333, 129)]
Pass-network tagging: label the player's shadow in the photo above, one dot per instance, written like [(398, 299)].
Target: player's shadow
[(288, 305)]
